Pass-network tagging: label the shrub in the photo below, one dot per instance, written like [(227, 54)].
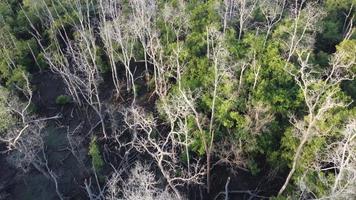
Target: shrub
[(63, 99), (6, 120), (94, 153)]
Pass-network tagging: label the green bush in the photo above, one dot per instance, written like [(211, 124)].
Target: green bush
[(63, 100), (94, 153), (6, 120)]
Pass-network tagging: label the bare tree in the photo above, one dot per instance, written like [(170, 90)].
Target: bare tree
[(144, 18), (230, 153), (177, 112), (259, 115), (185, 100), (244, 9), (305, 17), (141, 184), (320, 90), (272, 11), (169, 65), (7, 44), (24, 137), (339, 155), (117, 34), (342, 155), (77, 63), (241, 9), (218, 55), (229, 7), (164, 148)]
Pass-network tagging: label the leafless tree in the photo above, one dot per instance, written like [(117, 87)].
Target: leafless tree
[(320, 91), (144, 18), (24, 137), (218, 55), (305, 17), (117, 32), (185, 100), (272, 11), (164, 148), (75, 144), (259, 115), (169, 65), (240, 9), (77, 63), (349, 16), (342, 155), (245, 9), (7, 44), (230, 153), (229, 7), (141, 184), (339, 155), (177, 112)]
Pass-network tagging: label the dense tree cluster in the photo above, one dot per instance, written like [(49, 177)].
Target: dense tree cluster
[(159, 95)]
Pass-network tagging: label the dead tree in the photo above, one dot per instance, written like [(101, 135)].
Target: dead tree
[(141, 184), (117, 32), (167, 66), (272, 11), (245, 9), (242, 10), (230, 153), (339, 155), (305, 17), (259, 115), (217, 53), (301, 38), (24, 136), (342, 155), (108, 9), (185, 100), (320, 91), (228, 12), (77, 63), (177, 112), (164, 148), (144, 18)]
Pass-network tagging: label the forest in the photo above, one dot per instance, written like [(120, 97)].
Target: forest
[(177, 99)]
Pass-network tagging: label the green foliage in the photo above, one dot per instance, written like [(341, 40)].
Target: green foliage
[(333, 5), (94, 153), (333, 24), (347, 50), (330, 128), (253, 167), (276, 86), (63, 100), (6, 119), (17, 47), (279, 198), (349, 87)]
